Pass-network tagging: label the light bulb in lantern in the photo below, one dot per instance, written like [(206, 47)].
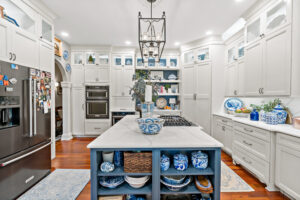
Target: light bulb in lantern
[(156, 59), (158, 37), (151, 51), (145, 36), (155, 52), (146, 53)]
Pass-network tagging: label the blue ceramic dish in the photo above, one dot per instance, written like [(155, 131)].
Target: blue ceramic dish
[(174, 180), (164, 162), (176, 187), (199, 160), (107, 167), (232, 104), (181, 162), (150, 126), (111, 182)]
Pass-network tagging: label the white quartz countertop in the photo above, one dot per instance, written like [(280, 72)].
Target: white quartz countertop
[(281, 128), (126, 134)]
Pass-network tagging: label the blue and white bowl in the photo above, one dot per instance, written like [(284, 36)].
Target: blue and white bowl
[(271, 118), (174, 180), (176, 187), (150, 126), (107, 167), (111, 182), (199, 160), (164, 163), (181, 162)]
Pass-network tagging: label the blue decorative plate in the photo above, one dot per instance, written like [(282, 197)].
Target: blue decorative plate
[(232, 104), (66, 55), (68, 67), (111, 181)]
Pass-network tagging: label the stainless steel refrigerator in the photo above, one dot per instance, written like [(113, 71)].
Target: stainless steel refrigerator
[(25, 128)]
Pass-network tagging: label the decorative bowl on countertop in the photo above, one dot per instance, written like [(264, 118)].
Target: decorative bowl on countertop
[(111, 181), (137, 181), (150, 126), (177, 187), (232, 104), (181, 162), (164, 162), (174, 180), (107, 167), (199, 160)]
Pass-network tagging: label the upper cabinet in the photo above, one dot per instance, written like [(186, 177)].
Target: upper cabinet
[(166, 61), (196, 56), (90, 58), (254, 30), (77, 58), (47, 33), (123, 60)]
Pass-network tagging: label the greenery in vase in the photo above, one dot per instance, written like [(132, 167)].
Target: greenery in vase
[(91, 59), (167, 86), (268, 107)]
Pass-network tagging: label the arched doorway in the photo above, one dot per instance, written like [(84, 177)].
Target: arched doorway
[(62, 103)]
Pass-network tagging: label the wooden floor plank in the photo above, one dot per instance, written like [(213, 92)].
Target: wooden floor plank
[(73, 154)]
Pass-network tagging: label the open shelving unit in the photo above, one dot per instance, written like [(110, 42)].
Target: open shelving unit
[(153, 186)]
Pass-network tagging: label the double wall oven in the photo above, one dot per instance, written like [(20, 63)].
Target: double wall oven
[(97, 102)]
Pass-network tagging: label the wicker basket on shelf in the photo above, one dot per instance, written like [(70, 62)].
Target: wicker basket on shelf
[(138, 162)]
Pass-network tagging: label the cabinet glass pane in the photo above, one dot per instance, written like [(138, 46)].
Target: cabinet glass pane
[(139, 62), (103, 59), (253, 31), (78, 58), (118, 60), (90, 58), (203, 54), (241, 51), (128, 61), (231, 55), (277, 16), (17, 16), (163, 62), (151, 62), (46, 31), (173, 62), (189, 57)]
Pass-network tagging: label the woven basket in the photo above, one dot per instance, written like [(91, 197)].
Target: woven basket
[(138, 162)]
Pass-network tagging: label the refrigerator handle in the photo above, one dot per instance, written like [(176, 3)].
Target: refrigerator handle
[(30, 108), (34, 106)]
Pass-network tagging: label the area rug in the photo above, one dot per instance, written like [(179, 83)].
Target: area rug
[(62, 184), (231, 182)]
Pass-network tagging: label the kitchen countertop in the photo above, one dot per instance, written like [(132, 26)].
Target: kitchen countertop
[(281, 128), (126, 134)]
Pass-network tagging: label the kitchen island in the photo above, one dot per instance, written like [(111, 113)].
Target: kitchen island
[(126, 136)]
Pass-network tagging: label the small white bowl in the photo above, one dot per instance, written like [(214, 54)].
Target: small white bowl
[(137, 182), (108, 156)]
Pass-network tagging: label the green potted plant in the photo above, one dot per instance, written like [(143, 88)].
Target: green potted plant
[(167, 87), (91, 59)]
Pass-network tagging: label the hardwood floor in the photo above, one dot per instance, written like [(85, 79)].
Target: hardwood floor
[(74, 155)]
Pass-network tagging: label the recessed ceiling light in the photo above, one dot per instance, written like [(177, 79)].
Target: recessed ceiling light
[(65, 34), (128, 42), (177, 43), (209, 32), (239, 1)]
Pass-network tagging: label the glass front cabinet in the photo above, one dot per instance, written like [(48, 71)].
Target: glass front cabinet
[(196, 56), (120, 60)]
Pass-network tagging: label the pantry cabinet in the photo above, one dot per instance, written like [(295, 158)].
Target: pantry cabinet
[(287, 164), (78, 109), (46, 56)]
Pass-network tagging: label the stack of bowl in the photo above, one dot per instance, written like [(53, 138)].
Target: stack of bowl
[(137, 181), (175, 183)]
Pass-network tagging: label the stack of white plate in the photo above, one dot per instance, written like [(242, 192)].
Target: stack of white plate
[(137, 181)]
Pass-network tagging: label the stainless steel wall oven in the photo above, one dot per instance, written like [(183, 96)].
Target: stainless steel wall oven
[(97, 102)]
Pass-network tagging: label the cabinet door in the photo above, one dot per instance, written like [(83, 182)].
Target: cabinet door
[(189, 57), (228, 139), (287, 174), (4, 40), (46, 57), (230, 80), (91, 74), (117, 82), (188, 82), (123, 103), (103, 74), (254, 30), (77, 58), (240, 77), (25, 48), (77, 75), (90, 58), (202, 113), (117, 61), (253, 69), (78, 109), (219, 132), (127, 81), (128, 61), (277, 62), (47, 31)]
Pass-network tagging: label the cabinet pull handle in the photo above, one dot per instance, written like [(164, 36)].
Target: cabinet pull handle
[(97, 128), (247, 161), (10, 55), (248, 130), (245, 142), (224, 121), (82, 106), (262, 90), (259, 90), (15, 57)]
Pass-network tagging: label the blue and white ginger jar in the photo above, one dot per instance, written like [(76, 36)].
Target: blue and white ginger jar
[(164, 162), (107, 167), (281, 114), (271, 118), (199, 160), (180, 162)]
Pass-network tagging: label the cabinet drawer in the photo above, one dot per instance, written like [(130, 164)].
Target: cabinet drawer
[(254, 164), (288, 141), (255, 145), (223, 120), (96, 128), (255, 132)]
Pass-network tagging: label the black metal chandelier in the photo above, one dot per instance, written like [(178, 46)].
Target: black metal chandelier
[(152, 36)]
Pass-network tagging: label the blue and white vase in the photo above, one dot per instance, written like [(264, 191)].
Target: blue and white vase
[(281, 113), (271, 118), (118, 158), (164, 162), (147, 110), (254, 115), (181, 162), (199, 160), (107, 167), (262, 116)]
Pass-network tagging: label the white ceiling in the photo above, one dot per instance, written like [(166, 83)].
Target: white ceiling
[(112, 22)]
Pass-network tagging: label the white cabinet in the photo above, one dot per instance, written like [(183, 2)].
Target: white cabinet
[(222, 131), (46, 56), (197, 94), (231, 80), (77, 75), (4, 40), (77, 58), (78, 111), (123, 60), (288, 164), (96, 74), (121, 80), (96, 127), (196, 56)]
